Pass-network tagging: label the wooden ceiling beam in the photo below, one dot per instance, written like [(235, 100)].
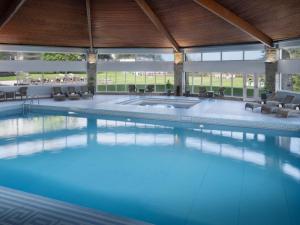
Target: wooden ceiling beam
[(10, 12), (157, 23), (235, 20), (89, 23)]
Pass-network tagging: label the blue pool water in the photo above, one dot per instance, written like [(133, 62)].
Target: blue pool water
[(160, 172)]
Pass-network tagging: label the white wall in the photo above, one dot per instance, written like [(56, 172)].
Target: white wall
[(289, 66), (41, 66), (136, 66), (226, 66)]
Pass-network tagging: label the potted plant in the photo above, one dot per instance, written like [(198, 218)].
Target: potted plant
[(169, 88)]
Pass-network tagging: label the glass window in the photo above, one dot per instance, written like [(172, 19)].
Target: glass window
[(291, 53), (290, 82), (234, 55), (150, 78), (226, 83), (120, 81), (216, 81), (250, 85), (20, 56), (254, 55), (7, 55), (58, 57), (101, 81), (111, 81), (170, 80), (261, 83), (296, 82), (160, 85), (211, 56), (206, 81), (237, 84), (155, 57), (197, 82), (193, 56)]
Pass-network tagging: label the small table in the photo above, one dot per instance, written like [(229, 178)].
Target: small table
[(210, 94)]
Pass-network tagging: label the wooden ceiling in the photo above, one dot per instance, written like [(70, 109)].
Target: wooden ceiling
[(122, 23)]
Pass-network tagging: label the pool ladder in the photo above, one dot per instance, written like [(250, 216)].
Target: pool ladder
[(26, 108)]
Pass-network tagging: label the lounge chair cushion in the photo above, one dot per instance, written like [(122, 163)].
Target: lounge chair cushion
[(252, 105), (284, 112), (269, 108), (291, 106)]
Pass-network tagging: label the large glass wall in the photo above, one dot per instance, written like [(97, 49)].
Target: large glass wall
[(119, 81), (232, 82)]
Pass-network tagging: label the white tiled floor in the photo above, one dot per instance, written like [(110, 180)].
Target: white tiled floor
[(215, 111)]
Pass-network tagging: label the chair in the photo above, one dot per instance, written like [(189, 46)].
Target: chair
[(187, 93), (2, 96), (85, 92), (57, 94), (150, 88), (72, 93), (220, 92), (131, 88), (286, 112), (293, 105), (202, 92), (22, 92)]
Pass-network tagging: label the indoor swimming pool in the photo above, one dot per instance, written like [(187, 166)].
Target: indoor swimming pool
[(154, 171), (162, 102)]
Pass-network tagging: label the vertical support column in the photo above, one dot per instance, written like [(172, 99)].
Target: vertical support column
[(179, 77), (271, 68), (92, 70)]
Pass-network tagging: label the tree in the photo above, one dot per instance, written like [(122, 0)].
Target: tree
[(62, 57)]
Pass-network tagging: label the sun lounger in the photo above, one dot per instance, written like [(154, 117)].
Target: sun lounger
[(85, 93), (252, 105), (273, 106), (202, 92), (220, 92), (131, 88), (72, 94), (286, 112), (57, 94)]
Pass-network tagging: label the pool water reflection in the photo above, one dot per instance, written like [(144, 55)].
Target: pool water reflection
[(155, 172)]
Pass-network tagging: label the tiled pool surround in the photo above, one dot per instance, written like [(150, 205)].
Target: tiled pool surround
[(208, 111)]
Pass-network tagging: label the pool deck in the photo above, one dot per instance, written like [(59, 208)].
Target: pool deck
[(18, 208), (208, 111)]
